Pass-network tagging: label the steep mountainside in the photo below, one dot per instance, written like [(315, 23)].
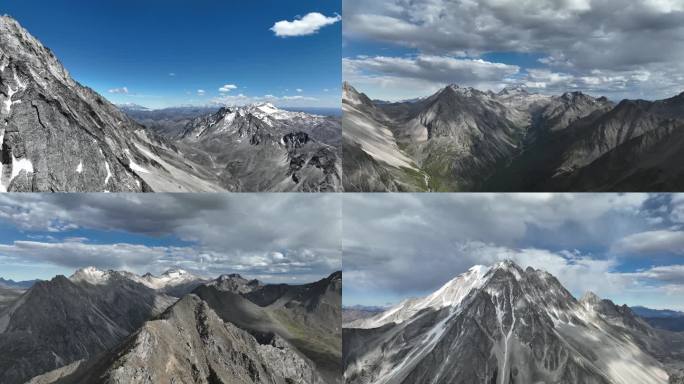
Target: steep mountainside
[(189, 343), (230, 330), (263, 148), (64, 320), (505, 325), (466, 139), (307, 316), (373, 161), (632, 147), (57, 135), (8, 296)]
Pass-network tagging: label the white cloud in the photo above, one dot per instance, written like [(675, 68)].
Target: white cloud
[(242, 99), (385, 77), (650, 242), (201, 92), (590, 42), (300, 90), (206, 224), (670, 274), (307, 25), (119, 91), (227, 88)]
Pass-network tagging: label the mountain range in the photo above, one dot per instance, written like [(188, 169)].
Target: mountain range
[(59, 136), (664, 319), (114, 327), (464, 139), (503, 324)]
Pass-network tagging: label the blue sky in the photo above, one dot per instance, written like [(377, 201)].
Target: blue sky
[(42, 236), (628, 248), (397, 50), (164, 51)]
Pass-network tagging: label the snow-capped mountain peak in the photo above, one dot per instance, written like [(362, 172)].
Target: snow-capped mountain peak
[(169, 278), (450, 294), (507, 325), (90, 275)]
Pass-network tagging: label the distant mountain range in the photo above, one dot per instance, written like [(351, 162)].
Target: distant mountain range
[(59, 136), (357, 312), (663, 319), (464, 139), (109, 326), (11, 284), (502, 324)]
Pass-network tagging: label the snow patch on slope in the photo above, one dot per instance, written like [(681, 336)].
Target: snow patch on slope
[(449, 295), (90, 275), (168, 279)]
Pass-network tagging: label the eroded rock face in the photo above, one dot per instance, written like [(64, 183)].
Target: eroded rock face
[(58, 136), (231, 330), (307, 316), (190, 344), (465, 139), (58, 322), (509, 326), (263, 148)]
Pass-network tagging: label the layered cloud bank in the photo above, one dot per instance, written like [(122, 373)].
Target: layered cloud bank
[(633, 50), (288, 236)]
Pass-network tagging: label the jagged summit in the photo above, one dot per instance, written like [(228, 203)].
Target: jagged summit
[(512, 326), (167, 280), (514, 90), (59, 136), (516, 141), (590, 298)]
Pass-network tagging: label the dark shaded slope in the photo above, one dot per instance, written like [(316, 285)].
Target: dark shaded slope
[(58, 322)]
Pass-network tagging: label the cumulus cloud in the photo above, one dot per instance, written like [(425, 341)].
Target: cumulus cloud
[(670, 274), (430, 72), (404, 245), (201, 92), (660, 241), (227, 88), (255, 235), (242, 99), (590, 41), (438, 69), (302, 26), (119, 91)]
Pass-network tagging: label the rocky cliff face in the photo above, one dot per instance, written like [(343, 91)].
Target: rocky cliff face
[(189, 343), (507, 325), (466, 139), (263, 148), (58, 136), (306, 316), (231, 330), (61, 321), (373, 160)]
